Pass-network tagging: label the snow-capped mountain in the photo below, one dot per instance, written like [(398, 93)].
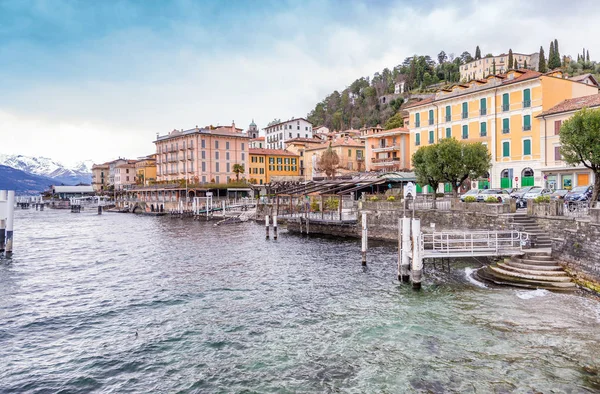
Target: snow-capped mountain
[(43, 166)]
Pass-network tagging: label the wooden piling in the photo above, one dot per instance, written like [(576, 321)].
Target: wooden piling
[(364, 238), (267, 225)]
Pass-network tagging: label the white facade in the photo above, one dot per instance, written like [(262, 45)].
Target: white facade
[(277, 134), (481, 68)]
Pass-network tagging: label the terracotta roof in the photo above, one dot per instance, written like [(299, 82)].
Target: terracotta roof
[(574, 104), (270, 152), (310, 140), (258, 139), (424, 101)]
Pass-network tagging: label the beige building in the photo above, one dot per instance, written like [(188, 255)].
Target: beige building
[(124, 174), (201, 155), (350, 152), (481, 68), (386, 150), (557, 174), (298, 146), (100, 177)]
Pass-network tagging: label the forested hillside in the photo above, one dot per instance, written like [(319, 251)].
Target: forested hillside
[(371, 100)]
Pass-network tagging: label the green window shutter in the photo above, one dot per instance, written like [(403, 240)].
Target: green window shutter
[(417, 139), (465, 132), (505, 125), (417, 119), (448, 132), (431, 136), (505, 102), (465, 109), (483, 129), (527, 122), (430, 114), (483, 103), (526, 147), (527, 98), (506, 149), (448, 112)]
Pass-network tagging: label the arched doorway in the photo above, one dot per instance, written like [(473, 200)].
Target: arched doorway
[(527, 176), (506, 180)]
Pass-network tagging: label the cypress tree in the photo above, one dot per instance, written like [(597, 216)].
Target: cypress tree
[(551, 56), (516, 67), (556, 52), (494, 67), (587, 56), (477, 53), (510, 59), (542, 66), (525, 64), (583, 56)]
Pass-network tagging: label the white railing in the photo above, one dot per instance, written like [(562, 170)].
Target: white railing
[(476, 243), (442, 205), (577, 209)]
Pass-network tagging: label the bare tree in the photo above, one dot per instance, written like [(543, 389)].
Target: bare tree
[(328, 162)]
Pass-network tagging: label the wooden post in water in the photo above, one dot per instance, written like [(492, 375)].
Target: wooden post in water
[(275, 227), (364, 238), (417, 260), (340, 207), (10, 217), (406, 252), (2, 219), (267, 225)]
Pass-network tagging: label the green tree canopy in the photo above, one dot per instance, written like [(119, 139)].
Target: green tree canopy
[(510, 59), (394, 122), (238, 169), (580, 143), (542, 67), (462, 161), (429, 167), (477, 53)]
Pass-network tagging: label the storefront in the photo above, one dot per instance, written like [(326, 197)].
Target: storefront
[(567, 178)]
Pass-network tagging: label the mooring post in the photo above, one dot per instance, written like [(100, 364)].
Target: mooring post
[(10, 217), (364, 238), (267, 225), (223, 208), (399, 249), (275, 227), (2, 219), (406, 252), (417, 260)]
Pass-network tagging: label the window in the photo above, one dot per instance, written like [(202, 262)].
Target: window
[(483, 129), (216, 167), (286, 160), (505, 126), (127, 170), (279, 160), (448, 132), (217, 155), (526, 147), (417, 139), (278, 168), (430, 116), (505, 102), (262, 170), (465, 110), (243, 157), (294, 161), (431, 136), (417, 120), (349, 152), (243, 145), (216, 144), (557, 155), (203, 143), (290, 134), (217, 179), (271, 160), (483, 106), (203, 166), (227, 145), (203, 154), (226, 155), (557, 124), (526, 98), (506, 149), (465, 132), (228, 168), (526, 122)]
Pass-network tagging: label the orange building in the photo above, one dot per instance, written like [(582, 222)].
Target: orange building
[(386, 150), (268, 163)]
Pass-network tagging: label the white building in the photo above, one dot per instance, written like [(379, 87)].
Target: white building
[(277, 134)]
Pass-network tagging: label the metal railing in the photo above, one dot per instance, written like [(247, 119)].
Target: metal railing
[(442, 205), (577, 209), (476, 243)]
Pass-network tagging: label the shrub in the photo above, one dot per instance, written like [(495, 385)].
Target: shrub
[(439, 194), (391, 198), (491, 200), (470, 199), (374, 198), (332, 203), (541, 199), (314, 206)]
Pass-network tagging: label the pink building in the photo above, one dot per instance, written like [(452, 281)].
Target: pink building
[(201, 154)]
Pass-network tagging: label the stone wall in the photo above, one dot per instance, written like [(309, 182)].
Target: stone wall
[(344, 230)]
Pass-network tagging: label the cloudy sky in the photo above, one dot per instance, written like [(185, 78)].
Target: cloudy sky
[(85, 79)]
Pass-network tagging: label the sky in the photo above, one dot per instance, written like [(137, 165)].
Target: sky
[(97, 80)]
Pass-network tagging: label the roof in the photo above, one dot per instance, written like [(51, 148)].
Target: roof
[(104, 165), (309, 140), (582, 77), (219, 130), (573, 104), (73, 189), (127, 163), (270, 152), (258, 139), (287, 121), (343, 141)]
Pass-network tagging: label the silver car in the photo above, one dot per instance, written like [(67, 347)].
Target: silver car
[(536, 192)]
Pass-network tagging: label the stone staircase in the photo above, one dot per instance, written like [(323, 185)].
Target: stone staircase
[(522, 222), (534, 270)]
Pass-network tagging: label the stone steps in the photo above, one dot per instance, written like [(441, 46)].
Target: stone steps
[(530, 270), (533, 267), (531, 276), (499, 279), (533, 262)]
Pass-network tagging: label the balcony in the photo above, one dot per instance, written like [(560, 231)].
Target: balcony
[(483, 134), (465, 115), (448, 118), (172, 159), (191, 147), (483, 111), (386, 148), (505, 131), (182, 147), (527, 128), (505, 107), (385, 161), (526, 103)]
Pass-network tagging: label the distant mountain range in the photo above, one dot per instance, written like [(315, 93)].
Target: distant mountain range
[(48, 168), (22, 182)]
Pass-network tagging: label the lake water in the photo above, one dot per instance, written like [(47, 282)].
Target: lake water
[(219, 309)]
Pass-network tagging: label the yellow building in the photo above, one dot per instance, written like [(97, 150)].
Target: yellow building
[(386, 150), (145, 170), (297, 146), (268, 164), (100, 177), (350, 152), (557, 174), (500, 112)]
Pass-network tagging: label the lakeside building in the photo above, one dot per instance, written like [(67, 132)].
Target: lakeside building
[(481, 68), (557, 174), (145, 170), (298, 146), (66, 192), (386, 150), (500, 112), (100, 177), (124, 174), (201, 154), (277, 134), (350, 152), (265, 164), (257, 143)]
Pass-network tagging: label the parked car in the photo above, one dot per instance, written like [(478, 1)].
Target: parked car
[(579, 193), (558, 194), (519, 193), (536, 191), (472, 192), (501, 195)]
